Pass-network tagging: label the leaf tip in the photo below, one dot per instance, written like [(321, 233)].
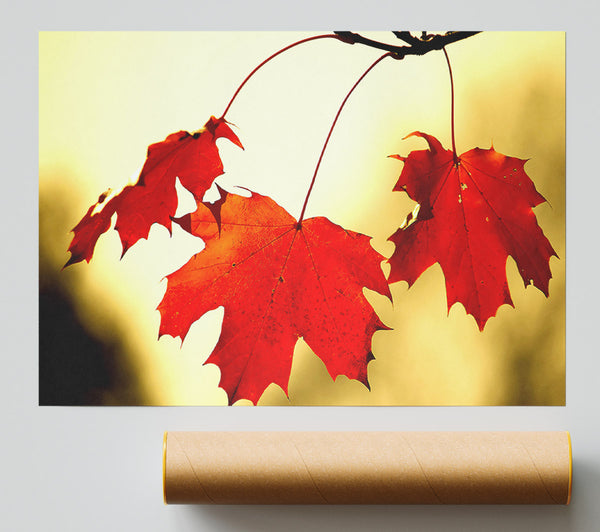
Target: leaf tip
[(72, 260), (434, 144), (396, 156), (219, 127), (380, 326), (185, 222), (126, 247)]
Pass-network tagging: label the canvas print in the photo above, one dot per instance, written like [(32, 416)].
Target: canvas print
[(295, 218)]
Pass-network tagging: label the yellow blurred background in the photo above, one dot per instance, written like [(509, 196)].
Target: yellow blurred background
[(105, 96)]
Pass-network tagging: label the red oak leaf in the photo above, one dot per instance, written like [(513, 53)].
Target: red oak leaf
[(277, 281), (473, 214), (194, 158)]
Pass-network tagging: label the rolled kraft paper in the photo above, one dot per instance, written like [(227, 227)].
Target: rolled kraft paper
[(367, 467)]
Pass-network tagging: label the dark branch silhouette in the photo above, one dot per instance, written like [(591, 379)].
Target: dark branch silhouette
[(416, 45)]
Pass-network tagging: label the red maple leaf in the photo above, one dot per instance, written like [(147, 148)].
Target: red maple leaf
[(277, 280), (193, 157), (474, 212)]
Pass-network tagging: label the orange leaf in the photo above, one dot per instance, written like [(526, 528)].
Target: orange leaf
[(472, 216), (277, 281), (194, 158)]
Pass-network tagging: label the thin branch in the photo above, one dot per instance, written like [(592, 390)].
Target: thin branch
[(417, 46), (273, 56), (451, 106), (312, 183)]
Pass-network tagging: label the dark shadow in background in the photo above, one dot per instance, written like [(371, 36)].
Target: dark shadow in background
[(75, 367)]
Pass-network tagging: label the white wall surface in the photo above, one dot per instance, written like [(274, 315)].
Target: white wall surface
[(97, 469)]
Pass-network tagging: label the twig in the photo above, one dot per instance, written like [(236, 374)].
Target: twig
[(416, 45)]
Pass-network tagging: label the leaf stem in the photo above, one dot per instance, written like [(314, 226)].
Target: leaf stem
[(451, 106), (312, 183), (308, 39)]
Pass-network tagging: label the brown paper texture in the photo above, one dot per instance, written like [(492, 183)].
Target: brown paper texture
[(367, 467)]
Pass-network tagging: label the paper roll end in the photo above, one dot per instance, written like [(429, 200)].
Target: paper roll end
[(164, 467), (570, 468)]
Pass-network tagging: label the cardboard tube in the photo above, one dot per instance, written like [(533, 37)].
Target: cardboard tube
[(367, 467)]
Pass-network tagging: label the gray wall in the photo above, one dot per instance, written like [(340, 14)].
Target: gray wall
[(100, 468)]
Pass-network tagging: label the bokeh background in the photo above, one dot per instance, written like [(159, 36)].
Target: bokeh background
[(105, 96)]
